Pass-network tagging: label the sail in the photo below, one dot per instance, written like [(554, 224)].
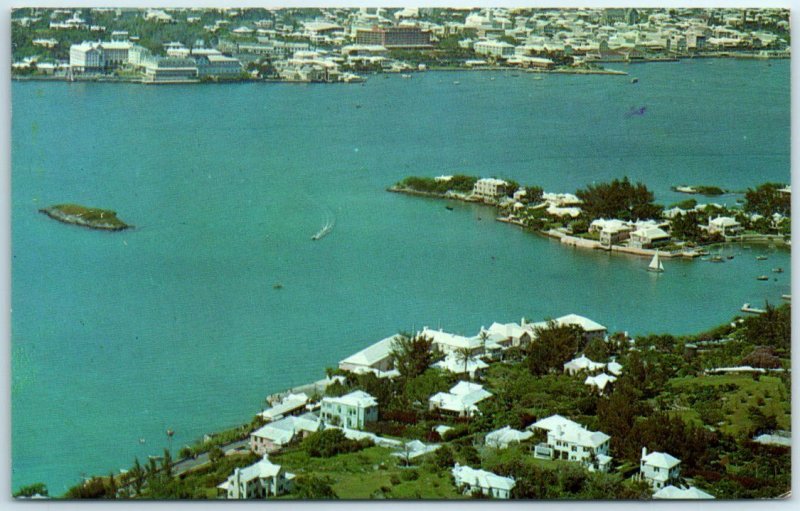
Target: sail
[(655, 264)]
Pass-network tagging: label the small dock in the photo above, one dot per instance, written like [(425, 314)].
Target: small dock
[(752, 310)]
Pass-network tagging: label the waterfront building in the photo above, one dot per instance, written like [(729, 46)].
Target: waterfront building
[(86, 57), (291, 404), (282, 432), (490, 188), (470, 481), (568, 440), (213, 65), (582, 363), (394, 37), (648, 237), (462, 400), (659, 469), (98, 56), (258, 481), (612, 231), (496, 49), (376, 358), (724, 225), (672, 492), (352, 410), (503, 437), (165, 70)]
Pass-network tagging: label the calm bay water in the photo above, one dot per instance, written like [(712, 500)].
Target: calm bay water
[(119, 336)]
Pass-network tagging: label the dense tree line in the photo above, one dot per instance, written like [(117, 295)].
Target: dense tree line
[(619, 199)]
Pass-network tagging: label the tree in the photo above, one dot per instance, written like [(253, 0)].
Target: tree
[(443, 457), (31, 490), (215, 454), (534, 194), (166, 464), (137, 475), (312, 487), (773, 328), (412, 354), (766, 200), (619, 199), (464, 354), (111, 490), (686, 226), (597, 349), (552, 346)]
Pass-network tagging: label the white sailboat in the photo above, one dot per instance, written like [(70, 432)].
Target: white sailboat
[(655, 264)]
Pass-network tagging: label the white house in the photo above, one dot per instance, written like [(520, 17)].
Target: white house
[(282, 432), (471, 480), (414, 449), (511, 334), (503, 437), (648, 237), (582, 363), (671, 492), (615, 368), (377, 357), (461, 400), (724, 225), (568, 440), (352, 410), (291, 404), (258, 481), (447, 342), (600, 381), (659, 468), (490, 188), (454, 363)]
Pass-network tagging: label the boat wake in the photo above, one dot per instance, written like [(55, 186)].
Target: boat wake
[(330, 222)]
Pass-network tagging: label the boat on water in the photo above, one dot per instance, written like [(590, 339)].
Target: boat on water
[(752, 310), (730, 257), (456, 82), (538, 78), (326, 229), (655, 264), (762, 277), (449, 208), (405, 76), (761, 258), (787, 297), (777, 270), (277, 286), (716, 259)]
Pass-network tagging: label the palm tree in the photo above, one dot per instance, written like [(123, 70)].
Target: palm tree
[(464, 354), (484, 335)]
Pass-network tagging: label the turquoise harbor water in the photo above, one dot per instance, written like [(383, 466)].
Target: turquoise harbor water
[(118, 336)]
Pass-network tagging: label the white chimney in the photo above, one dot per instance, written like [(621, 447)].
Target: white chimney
[(644, 452)]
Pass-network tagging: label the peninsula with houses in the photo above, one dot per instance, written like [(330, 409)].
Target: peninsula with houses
[(559, 408), (620, 216)]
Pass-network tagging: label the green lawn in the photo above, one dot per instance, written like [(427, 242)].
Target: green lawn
[(370, 473), (767, 394)]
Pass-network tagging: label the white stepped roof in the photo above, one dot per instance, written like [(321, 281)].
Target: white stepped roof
[(552, 422), (660, 460), (357, 398), (671, 492), (482, 478), (372, 354)]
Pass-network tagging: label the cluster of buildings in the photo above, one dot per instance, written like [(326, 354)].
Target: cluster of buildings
[(293, 417), (352, 39)]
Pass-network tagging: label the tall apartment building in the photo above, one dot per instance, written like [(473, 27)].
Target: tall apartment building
[(395, 37)]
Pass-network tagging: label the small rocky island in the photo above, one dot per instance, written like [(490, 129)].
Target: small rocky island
[(93, 218)]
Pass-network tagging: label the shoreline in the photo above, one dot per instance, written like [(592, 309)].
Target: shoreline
[(563, 70)]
